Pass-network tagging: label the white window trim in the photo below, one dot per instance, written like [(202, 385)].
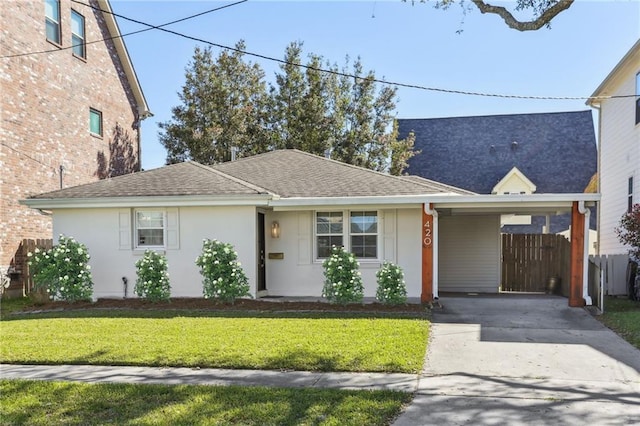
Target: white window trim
[(346, 234), (136, 246)]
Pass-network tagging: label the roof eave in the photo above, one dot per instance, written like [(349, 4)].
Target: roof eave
[(148, 201), (125, 59), (594, 100), (488, 201)]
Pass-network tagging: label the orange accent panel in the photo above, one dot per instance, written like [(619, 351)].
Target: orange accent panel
[(577, 257), (427, 257)]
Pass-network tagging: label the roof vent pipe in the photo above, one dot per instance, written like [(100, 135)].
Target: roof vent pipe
[(514, 146)]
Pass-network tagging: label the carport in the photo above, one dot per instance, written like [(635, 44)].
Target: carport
[(442, 214)]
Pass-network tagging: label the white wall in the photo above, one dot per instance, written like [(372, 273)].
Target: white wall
[(299, 274), (98, 230), (619, 160), (469, 253)]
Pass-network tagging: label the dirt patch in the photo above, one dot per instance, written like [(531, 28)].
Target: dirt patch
[(273, 305)]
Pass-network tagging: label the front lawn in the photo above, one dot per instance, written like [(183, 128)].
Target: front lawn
[(47, 403), (317, 342), (623, 317)]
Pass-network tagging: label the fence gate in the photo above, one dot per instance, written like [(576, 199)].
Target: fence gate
[(21, 282), (530, 260)]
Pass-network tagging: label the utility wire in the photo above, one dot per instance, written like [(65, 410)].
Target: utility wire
[(324, 70), (25, 154), (58, 49), (343, 74)]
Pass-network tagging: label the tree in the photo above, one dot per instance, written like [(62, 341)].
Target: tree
[(311, 107), (300, 104), (543, 11), (629, 231), (223, 102)]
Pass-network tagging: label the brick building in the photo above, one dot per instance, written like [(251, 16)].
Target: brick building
[(70, 111)]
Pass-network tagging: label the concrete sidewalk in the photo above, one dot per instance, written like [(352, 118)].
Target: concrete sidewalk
[(211, 376), (524, 361)]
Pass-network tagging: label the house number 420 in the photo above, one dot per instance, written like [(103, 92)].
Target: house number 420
[(426, 237)]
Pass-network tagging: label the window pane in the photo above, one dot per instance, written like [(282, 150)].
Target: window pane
[(150, 219), (150, 237), (77, 24), (52, 31), (322, 228), (78, 46), (364, 246), (325, 243), (52, 20), (364, 222), (329, 222), (95, 122)]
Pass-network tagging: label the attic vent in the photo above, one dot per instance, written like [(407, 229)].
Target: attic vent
[(514, 146)]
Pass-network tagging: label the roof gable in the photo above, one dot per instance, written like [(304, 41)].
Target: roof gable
[(514, 182), (628, 65), (557, 151)]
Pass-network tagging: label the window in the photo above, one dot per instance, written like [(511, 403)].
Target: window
[(630, 195), (95, 121), (638, 98), (52, 20), (77, 34), (364, 234), (360, 237), (329, 232), (150, 226)]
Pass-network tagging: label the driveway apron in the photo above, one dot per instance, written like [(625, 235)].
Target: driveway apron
[(523, 360)]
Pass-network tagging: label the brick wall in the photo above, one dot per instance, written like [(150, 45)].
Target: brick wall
[(44, 115)]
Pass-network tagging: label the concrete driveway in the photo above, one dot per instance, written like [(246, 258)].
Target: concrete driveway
[(523, 360)]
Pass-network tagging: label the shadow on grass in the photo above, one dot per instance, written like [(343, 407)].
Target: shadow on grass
[(72, 403)]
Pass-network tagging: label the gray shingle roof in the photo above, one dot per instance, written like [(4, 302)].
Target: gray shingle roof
[(178, 179), (293, 173), (556, 151), (287, 173)]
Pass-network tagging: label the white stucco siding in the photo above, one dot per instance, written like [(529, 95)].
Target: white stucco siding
[(619, 160), (469, 253), (101, 231), (299, 273)]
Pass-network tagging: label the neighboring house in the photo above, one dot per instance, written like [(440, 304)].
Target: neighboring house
[(445, 239), (619, 139), (70, 110), (508, 154)]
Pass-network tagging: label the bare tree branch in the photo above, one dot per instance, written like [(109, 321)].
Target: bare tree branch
[(512, 22)]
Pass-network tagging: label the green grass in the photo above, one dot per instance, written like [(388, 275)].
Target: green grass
[(9, 306), (623, 317), (47, 403), (315, 342)]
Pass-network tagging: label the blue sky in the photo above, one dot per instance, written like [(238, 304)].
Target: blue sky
[(400, 42)]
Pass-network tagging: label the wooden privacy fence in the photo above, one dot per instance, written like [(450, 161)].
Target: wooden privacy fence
[(21, 281), (530, 260)]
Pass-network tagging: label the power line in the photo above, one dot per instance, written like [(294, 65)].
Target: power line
[(58, 49), (25, 154), (343, 74), (324, 70)]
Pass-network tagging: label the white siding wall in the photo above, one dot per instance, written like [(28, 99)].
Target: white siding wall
[(469, 255), (619, 160), (101, 231), (299, 274)]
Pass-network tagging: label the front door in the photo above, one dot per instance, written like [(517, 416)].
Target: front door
[(262, 281)]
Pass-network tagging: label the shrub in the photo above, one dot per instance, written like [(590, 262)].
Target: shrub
[(63, 271), (343, 283), (629, 231), (153, 279), (391, 286), (224, 278)]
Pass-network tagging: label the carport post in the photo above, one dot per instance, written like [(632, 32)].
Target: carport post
[(429, 253), (576, 282)]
